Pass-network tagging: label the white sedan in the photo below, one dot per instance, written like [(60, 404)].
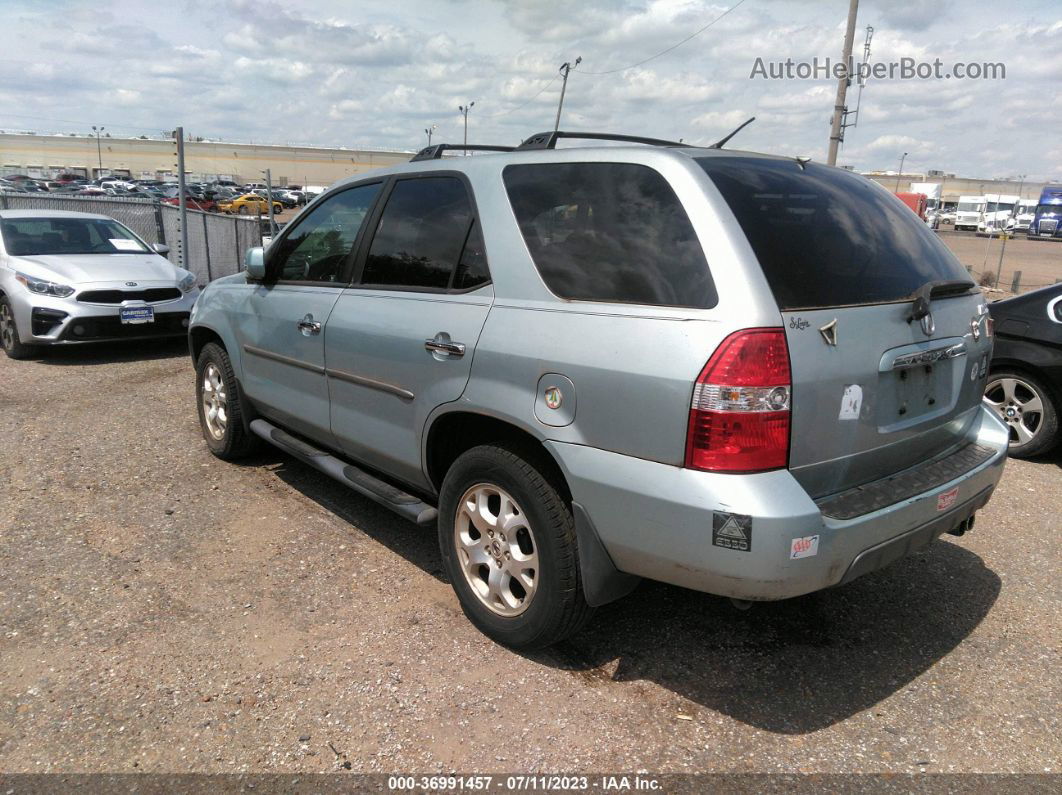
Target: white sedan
[(70, 277)]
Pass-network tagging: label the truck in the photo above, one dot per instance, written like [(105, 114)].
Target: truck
[(1024, 214), (968, 213), (931, 190), (998, 215), (916, 201), (1046, 220)]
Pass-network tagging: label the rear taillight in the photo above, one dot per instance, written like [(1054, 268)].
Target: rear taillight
[(739, 416)]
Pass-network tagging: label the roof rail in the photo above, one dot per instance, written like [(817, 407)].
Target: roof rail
[(435, 152), (548, 140)]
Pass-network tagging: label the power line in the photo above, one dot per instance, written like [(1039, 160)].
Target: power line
[(524, 105), (672, 47)]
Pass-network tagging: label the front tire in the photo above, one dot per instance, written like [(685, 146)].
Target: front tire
[(221, 410), (508, 544), (1029, 410), (9, 339)]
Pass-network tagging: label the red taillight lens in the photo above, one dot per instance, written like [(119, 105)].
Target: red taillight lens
[(739, 416)]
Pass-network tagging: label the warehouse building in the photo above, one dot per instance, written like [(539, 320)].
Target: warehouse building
[(48, 156)]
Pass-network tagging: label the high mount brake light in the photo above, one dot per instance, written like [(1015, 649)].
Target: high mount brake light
[(740, 412)]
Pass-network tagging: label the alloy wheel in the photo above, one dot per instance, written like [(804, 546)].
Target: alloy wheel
[(496, 549), (1019, 405), (215, 402), (7, 327)]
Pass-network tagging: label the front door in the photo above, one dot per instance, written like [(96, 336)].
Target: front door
[(400, 340), (282, 329)]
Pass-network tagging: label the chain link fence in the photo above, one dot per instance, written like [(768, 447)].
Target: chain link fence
[(216, 243)]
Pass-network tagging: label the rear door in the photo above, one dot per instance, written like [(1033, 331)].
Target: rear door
[(877, 387), (400, 340)]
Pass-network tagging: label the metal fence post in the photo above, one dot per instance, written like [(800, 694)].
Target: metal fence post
[(206, 246), (1014, 285), (236, 239), (159, 227)]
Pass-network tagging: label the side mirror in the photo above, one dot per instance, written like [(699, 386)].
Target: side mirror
[(160, 248), (254, 263)]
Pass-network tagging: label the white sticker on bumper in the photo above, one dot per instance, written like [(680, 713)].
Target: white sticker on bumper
[(805, 547), (851, 402)]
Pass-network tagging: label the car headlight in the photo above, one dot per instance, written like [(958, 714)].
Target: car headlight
[(187, 284), (42, 287)]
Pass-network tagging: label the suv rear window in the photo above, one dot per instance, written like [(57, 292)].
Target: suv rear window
[(609, 232), (828, 238)]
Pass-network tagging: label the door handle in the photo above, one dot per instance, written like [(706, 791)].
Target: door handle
[(308, 327), (441, 344)]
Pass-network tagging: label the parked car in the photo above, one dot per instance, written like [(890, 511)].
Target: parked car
[(1025, 384), (68, 278), (249, 204), (192, 203), (591, 365)]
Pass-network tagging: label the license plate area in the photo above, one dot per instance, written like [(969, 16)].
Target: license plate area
[(136, 315)]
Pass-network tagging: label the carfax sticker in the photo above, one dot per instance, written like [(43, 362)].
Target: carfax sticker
[(947, 499), (805, 547), (732, 531)]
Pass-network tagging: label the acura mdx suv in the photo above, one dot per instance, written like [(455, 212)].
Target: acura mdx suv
[(748, 375)]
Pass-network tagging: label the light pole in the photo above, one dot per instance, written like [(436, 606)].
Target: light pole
[(899, 174), (464, 111), (1003, 232), (565, 69), (429, 130), (99, 150)]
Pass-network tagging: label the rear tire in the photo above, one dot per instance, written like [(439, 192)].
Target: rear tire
[(515, 567), (9, 339), (221, 410), (1029, 409)]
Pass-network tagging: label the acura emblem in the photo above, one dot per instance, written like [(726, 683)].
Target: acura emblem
[(829, 332), (130, 284), (928, 326)]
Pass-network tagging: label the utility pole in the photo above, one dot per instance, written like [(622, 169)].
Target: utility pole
[(899, 174), (464, 111), (842, 85), (565, 69), (99, 150), (182, 200), (1003, 231), (269, 198), (429, 130)]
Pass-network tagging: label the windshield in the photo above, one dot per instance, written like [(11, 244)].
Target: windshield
[(29, 236), (969, 207), (825, 237)]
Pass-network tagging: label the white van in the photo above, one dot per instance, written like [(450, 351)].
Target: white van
[(968, 213), (998, 214)]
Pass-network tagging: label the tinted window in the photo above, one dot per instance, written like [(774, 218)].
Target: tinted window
[(421, 234), (318, 247), (825, 237), (472, 267), (26, 236), (609, 232)]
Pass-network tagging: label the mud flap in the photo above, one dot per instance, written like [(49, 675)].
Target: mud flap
[(602, 581)]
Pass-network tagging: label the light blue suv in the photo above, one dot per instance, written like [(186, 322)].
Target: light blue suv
[(749, 375)]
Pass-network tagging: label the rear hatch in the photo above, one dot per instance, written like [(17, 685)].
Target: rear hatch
[(887, 334)]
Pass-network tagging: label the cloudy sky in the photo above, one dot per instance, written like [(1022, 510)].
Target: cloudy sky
[(376, 73)]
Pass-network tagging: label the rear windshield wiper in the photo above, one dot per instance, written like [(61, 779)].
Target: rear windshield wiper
[(923, 296)]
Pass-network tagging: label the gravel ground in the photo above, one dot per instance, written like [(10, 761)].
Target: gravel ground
[(1040, 261), (163, 611)]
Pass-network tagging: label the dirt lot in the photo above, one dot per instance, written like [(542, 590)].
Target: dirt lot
[(163, 611), (1040, 261)]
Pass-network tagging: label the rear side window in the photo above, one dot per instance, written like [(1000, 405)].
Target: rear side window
[(421, 237), (825, 237), (609, 232)]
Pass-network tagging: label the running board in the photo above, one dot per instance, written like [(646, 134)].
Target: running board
[(359, 480)]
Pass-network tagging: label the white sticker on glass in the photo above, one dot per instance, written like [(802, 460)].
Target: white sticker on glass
[(851, 402), (124, 244)]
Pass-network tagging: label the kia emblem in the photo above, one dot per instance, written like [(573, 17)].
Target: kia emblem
[(130, 284)]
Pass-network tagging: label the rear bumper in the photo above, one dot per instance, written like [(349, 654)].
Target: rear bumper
[(670, 524)]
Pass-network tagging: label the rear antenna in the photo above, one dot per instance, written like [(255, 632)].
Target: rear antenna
[(803, 162), (719, 144)]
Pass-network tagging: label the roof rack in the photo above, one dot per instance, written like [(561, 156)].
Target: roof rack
[(548, 140), (435, 152)]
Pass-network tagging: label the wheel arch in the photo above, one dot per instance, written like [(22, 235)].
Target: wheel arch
[(199, 337), (454, 432)]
